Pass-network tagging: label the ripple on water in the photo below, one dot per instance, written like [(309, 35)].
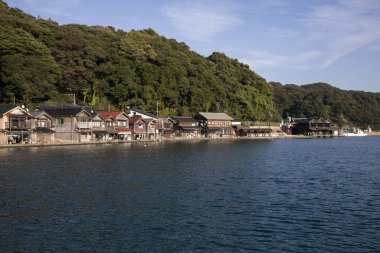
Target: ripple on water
[(208, 196)]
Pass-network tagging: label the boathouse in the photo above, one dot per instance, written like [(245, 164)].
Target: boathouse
[(186, 127), (215, 124), (312, 127)]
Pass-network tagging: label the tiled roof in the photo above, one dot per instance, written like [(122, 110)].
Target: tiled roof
[(36, 114), (134, 119), (185, 119), (108, 114), (63, 111), (215, 116), (123, 129)]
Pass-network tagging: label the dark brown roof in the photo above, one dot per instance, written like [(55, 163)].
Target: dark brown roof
[(6, 108), (184, 119)]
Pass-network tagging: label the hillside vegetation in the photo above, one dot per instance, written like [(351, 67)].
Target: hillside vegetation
[(320, 99), (43, 62)]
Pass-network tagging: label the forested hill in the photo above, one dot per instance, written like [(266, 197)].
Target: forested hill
[(42, 62), (320, 99)]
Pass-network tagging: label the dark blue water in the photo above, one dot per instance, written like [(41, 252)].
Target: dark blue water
[(313, 195)]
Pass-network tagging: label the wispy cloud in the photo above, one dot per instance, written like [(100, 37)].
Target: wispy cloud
[(259, 59), (202, 20), (343, 28), (54, 7)]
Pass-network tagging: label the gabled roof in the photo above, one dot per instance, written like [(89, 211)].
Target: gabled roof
[(184, 119), (110, 114), (4, 108), (149, 120), (37, 114), (215, 116), (136, 118), (55, 111)]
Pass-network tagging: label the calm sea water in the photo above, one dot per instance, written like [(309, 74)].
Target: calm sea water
[(312, 195)]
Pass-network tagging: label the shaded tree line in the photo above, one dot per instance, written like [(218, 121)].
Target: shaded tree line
[(319, 99)]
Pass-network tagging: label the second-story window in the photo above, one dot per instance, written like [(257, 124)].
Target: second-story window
[(121, 123), (59, 121), (96, 123)]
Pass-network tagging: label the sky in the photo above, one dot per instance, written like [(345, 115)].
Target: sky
[(287, 41)]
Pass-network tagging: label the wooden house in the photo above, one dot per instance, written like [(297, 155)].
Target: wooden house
[(70, 123), (42, 127), (165, 127), (216, 124), (186, 127), (139, 127), (15, 124), (117, 124), (311, 127), (151, 128)]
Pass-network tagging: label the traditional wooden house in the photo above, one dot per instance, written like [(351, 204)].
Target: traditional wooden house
[(117, 124), (99, 131), (215, 124), (311, 127), (15, 124), (42, 127), (165, 128), (71, 123), (151, 128), (186, 127), (139, 127)]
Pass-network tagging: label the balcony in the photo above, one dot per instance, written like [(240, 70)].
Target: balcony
[(18, 125), (43, 126), (84, 125)]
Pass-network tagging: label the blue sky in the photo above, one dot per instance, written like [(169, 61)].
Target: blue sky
[(289, 41)]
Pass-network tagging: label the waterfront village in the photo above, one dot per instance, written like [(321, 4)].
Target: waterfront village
[(50, 125)]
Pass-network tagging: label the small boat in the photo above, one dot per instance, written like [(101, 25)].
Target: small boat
[(357, 132)]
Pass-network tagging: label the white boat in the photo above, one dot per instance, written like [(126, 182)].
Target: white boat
[(357, 132)]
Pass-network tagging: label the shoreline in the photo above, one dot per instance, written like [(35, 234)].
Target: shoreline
[(57, 144)]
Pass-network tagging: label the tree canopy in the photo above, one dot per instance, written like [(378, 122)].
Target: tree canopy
[(43, 62)]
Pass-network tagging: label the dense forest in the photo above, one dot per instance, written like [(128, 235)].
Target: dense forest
[(42, 62), (320, 99)]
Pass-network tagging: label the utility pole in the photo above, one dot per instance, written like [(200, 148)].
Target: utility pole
[(73, 95), (157, 109)]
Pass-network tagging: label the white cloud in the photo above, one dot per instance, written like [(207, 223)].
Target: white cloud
[(202, 20), (259, 59), (343, 28)]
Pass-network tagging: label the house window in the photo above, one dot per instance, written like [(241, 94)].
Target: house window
[(59, 121), (96, 124), (121, 123)]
